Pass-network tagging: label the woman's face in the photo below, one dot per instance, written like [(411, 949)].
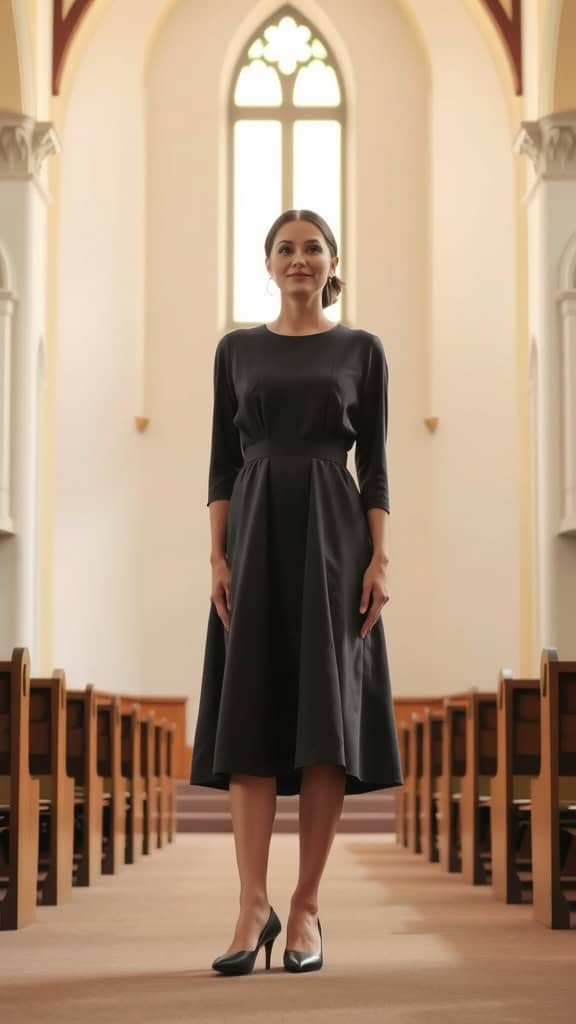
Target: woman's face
[(300, 259)]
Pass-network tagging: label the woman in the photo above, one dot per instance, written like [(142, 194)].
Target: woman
[(295, 691)]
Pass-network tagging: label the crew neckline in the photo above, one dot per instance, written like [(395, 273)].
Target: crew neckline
[(316, 334)]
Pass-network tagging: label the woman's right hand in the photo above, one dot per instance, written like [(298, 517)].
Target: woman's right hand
[(221, 590)]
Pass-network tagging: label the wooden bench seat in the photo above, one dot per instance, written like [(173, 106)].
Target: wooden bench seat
[(401, 793), (109, 769), (170, 781), (432, 727), (81, 761), (159, 772), (414, 786), (48, 763), (518, 759), (475, 796), (450, 782), (553, 792), (19, 797), (132, 775), (149, 795)]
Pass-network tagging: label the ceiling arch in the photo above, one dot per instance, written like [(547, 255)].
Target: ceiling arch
[(508, 19)]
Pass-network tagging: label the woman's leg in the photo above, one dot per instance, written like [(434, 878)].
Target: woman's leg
[(321, 801), (253, 807)]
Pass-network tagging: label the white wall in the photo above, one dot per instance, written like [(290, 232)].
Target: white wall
[(98, 548), (430, 268), (474, 613)]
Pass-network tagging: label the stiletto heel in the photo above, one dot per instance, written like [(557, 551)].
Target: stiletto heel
[(298, 962), (243, 961)]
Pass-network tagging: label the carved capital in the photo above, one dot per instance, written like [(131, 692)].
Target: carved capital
[(24, 145), (551, 145)]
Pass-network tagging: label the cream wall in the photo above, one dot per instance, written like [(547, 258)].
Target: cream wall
[(10, 86), (431, 269), (474, 624), (98, 557)]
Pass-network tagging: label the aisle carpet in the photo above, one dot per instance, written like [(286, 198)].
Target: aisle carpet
[(403, 943)]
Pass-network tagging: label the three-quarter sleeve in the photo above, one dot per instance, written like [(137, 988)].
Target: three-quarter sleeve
[(226, 457), (370, 450)]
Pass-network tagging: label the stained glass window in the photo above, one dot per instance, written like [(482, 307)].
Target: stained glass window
[(286, 143)]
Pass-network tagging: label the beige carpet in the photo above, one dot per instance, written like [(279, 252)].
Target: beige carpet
[(403, 942)]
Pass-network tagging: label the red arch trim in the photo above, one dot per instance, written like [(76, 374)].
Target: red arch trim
[(63, 29), (510, 29)]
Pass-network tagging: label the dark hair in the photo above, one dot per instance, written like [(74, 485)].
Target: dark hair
[(333, 286)]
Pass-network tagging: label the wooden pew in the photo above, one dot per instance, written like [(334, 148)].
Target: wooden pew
[(134, 783), (109, 761), (450, 783), (553, 793), (432, 732), (518, 760), (414, 789), (475, 801), (48, 763), (149, 798), (81, 762), (401, 794), (159, 779), (170, 783), (19, 797)]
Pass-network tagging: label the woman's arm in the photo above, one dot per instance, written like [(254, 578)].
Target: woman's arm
[(372, 473), (226, 457), (370, 449), (218, 519), (226, 460), (377, 521)]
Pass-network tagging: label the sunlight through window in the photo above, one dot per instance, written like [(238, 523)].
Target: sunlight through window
[(294, 160)]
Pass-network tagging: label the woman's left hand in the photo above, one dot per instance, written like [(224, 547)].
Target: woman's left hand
[(375, 587)]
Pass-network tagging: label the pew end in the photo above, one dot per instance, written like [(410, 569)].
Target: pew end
[(81, 759), (48, 710), (450, 782), (475, 801), (518, 759), (19, 797), (553, 792), (109, 768)]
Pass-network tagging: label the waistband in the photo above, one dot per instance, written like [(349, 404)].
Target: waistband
[(334, 450)]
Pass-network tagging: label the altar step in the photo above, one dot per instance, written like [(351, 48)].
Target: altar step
[(201, 809)]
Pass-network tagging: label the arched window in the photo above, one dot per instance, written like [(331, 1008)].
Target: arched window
[(286, 144)]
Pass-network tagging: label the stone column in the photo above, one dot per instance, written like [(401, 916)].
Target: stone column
[(24, 146), (551, 208)]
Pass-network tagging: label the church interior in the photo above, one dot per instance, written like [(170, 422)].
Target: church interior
[(146, 146)]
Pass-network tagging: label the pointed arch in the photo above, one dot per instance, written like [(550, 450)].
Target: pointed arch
[(286, 145)]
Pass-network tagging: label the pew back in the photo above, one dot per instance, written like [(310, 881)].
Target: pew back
[(19, 796), (481, 759), (450, 787), (554, 791), (432, 730), (48, 762), (109, 761), (414, 794), (131, 764), (81, 762), (401, 793)]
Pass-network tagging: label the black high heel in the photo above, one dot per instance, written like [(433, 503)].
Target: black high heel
[(299, 962), (243, 961)]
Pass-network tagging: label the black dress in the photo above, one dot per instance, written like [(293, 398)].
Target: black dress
[(292, 682)]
